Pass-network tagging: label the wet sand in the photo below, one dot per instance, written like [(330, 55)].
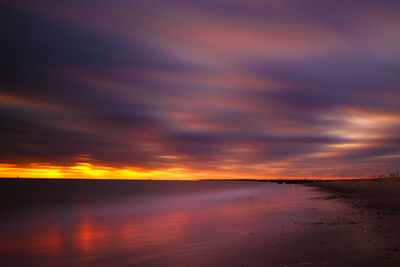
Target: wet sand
[(375, 219), (132, 223)]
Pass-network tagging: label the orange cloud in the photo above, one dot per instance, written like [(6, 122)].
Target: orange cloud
[(31, 104), (91, 171)]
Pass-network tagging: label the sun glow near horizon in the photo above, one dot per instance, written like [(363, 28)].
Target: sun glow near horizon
[(91, 171), (88, 171), (85, 170)]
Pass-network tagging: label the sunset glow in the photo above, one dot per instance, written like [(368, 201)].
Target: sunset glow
[(89, 171), (173, 89)]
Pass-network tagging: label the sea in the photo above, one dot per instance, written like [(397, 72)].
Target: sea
[(154, 223)]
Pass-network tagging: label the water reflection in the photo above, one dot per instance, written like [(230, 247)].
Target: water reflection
[(176, 229)]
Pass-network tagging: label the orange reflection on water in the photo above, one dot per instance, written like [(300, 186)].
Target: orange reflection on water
[(48, 240), (170, 230), (89, 232), (85, 235), (138, 232)]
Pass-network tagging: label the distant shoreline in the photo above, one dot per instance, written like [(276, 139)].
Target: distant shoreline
[(277, 180)]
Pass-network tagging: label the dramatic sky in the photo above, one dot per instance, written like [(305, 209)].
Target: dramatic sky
[(199, 88)]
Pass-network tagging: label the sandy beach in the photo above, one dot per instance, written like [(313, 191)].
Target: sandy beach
[(375, 219)]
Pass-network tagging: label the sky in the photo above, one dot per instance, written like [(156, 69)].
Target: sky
[(189, 89)]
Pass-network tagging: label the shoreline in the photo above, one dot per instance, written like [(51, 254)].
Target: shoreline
[(376, 204), (380, 193)]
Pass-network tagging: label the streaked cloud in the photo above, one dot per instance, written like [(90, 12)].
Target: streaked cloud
[(210, 88)]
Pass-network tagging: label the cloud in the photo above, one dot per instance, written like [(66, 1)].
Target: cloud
[(268, 88)]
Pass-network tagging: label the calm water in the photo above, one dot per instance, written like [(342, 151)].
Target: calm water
[(159, 224)]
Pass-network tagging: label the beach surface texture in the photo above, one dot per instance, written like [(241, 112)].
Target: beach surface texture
[(375, 219)]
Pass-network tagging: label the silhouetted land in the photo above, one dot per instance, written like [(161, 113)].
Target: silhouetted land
[(279, 181)]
